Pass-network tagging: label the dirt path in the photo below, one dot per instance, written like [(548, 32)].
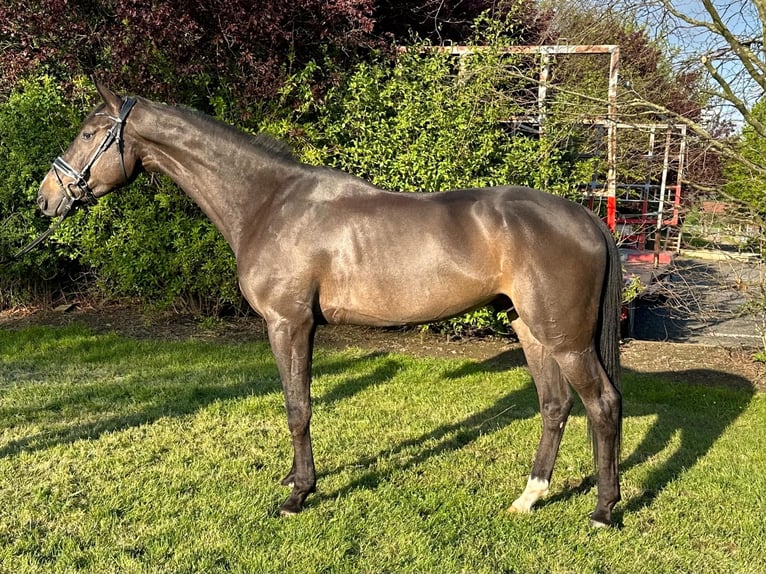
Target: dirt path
[(691, 363)]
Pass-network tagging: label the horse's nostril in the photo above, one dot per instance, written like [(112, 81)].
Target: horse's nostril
[(42, 202)]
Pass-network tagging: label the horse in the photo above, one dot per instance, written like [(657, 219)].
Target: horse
[(315, 245)]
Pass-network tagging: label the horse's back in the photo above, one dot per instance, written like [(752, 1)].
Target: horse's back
[(410, 258)]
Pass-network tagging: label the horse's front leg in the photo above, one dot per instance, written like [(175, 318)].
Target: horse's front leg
[(292, 342)]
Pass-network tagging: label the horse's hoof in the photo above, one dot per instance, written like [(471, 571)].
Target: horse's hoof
[(599, 522), (515, 510), (289, 509)]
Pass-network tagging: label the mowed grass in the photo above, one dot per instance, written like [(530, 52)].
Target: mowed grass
[(118, 455)]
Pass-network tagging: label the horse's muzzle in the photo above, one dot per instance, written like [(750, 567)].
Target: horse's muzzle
[(49, 197), (42, 203)]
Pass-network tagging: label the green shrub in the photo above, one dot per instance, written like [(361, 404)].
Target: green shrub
[(151, 242), (147, 241), (36, 123)]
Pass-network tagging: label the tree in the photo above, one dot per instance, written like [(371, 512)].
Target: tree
[(237, 51), (746, 184), (177, 49), (722, 42)]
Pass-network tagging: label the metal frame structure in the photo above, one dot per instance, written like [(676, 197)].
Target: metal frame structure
[(649, 207), (659, 201), (545, 52)]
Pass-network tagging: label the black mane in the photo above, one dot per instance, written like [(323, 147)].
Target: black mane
[(272, 145), (264, 142)]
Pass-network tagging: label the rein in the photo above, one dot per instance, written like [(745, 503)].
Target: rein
[(84, 193), (43, 236)]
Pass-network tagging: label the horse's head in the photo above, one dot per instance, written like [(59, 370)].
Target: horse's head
[(98, 161)]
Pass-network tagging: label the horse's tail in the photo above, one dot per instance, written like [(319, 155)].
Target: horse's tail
[(608, 329), (611, 310)]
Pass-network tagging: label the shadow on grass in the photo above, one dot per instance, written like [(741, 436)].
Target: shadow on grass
[(138, 384), (115, 383), (697, 414), (681, 409), (352, 385), (517, 405), (452, 437)]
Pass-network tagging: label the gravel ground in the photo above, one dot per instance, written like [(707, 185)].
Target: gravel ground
[(702, 301)]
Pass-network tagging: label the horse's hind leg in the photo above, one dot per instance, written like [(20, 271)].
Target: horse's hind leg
[(555, 405), (603, 406)]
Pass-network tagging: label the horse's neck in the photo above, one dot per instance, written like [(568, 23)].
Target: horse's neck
[(219, 175)]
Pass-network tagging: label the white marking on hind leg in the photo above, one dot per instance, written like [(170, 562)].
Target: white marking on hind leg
[(535, 489)]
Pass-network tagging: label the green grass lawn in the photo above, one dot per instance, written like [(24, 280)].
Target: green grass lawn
[(120, 456)]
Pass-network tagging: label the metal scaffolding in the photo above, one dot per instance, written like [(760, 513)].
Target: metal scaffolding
[(637, 210)]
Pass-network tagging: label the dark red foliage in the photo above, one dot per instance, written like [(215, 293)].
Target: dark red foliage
[(444, 21), (160, 47), (186, 50)]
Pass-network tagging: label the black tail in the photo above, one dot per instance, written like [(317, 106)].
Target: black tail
[(611, 309), (608, 333)]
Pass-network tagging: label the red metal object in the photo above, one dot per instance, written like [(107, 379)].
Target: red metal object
[(611, 213)]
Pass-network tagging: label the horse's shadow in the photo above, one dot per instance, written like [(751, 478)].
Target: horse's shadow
[(716, 407), (520, 404), (134, 398), (185, 391)]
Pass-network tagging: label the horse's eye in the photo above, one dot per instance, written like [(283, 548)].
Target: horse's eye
[(86, 135)]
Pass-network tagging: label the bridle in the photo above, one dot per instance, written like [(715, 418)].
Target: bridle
[(78, 190)]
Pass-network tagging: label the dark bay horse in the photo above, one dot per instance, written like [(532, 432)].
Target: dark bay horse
[(314, 245)]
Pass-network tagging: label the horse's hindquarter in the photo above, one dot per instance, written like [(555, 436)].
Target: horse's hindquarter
[(559, 264)]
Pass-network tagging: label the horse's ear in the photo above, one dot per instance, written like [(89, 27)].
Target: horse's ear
[(112, 100)]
